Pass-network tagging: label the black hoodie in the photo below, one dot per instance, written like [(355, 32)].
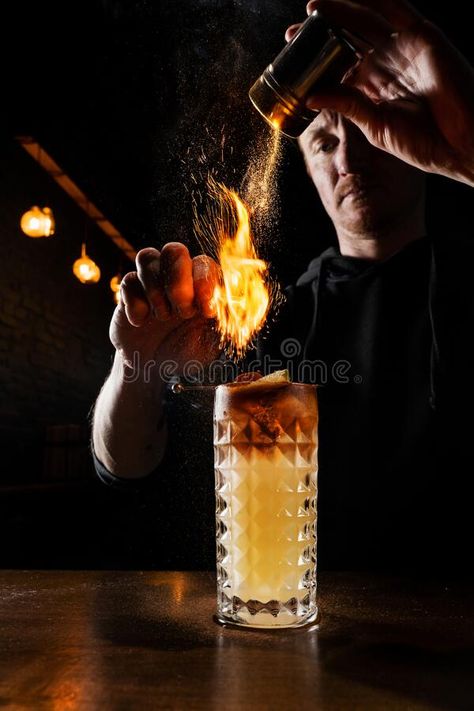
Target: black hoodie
[(392, 474), (387, 342)]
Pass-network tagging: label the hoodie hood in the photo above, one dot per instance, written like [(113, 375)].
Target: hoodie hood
[(314, 267)]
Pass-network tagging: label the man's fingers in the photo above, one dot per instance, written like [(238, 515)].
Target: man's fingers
[(369, 24), (349, 102), (176, 268), (148, 263), (205, 276), (133, 299), (291, 31)]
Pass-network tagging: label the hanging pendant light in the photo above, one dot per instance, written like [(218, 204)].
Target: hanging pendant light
[(85, 269), (38, 222), (115, 286)]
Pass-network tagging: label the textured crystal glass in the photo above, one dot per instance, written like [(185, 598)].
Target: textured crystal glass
[(265, 452)]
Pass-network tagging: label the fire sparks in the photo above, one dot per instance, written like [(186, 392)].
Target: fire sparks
[(230, 228), (243, 297), (260, 181)]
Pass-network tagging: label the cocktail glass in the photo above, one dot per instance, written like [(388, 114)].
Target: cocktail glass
[(265, 444)]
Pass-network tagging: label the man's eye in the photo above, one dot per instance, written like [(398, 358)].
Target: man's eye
[(326, 147)]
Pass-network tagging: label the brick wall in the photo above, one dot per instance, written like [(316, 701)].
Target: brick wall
[(54, 347)]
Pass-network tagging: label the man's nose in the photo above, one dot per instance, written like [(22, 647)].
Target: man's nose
[(353, 154)]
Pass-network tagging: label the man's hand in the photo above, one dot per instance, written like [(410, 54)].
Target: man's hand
[(164, 313), (412, 93), (166, 308)]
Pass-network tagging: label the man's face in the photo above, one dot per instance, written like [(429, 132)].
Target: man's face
[(361, 187)]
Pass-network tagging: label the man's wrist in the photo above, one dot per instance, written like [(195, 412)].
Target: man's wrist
[(141, 373)]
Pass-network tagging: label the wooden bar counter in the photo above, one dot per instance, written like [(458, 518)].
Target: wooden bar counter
[(147, 640)]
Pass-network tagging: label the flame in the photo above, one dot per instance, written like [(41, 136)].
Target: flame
[(246, 294), (243, 297)]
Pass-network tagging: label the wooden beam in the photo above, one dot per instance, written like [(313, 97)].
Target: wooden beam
[(69, 186)]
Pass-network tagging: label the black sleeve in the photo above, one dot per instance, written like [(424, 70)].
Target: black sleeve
[(126, 484), (173, 508), (189, 442)]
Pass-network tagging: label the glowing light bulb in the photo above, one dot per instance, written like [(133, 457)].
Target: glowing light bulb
[(38, 222), (85, 269), (115, 287)]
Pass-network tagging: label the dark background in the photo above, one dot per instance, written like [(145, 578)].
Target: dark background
[(127, 97)]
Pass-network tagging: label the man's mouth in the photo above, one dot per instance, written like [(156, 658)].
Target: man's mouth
[(356, 191)]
